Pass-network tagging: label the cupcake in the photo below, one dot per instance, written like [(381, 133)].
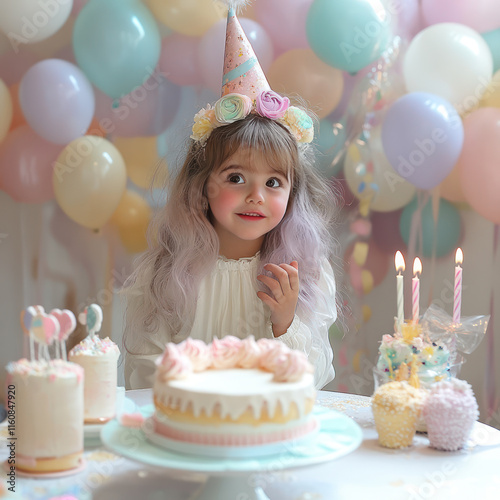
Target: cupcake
[(450, 411), (396, 407)]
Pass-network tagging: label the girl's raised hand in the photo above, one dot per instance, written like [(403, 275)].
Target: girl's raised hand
[(285, 293)]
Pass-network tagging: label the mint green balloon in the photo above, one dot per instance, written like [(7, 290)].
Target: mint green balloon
[(447, 232), (116, 44), (492, 38), (348, 34)]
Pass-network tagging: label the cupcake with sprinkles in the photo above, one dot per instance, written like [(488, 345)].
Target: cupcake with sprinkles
[(99, 360)]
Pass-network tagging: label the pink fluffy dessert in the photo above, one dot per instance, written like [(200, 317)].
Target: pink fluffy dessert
[(450, 411)]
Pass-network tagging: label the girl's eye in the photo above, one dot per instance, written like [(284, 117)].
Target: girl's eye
[(235, 178), (273, 183)]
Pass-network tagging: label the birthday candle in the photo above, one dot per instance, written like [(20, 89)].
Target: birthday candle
[(417, 270), (400, 267), (457, 296)]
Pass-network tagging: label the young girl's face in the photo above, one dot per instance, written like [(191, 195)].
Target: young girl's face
[(247, 198)]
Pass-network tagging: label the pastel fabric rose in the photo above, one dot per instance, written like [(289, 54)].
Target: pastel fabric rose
[(232, 107), (204, 123), (270, 104), (299, 123)]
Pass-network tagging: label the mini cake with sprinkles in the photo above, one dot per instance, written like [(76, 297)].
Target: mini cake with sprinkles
[(99, 359), (396, 408), (450, 411)]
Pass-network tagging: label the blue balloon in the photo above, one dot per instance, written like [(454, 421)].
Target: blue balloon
[(492, 38), (117, 44), (328, 146), (446, 232), (348, 34)]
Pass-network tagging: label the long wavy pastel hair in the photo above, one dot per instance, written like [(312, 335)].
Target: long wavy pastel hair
[(184, 247)]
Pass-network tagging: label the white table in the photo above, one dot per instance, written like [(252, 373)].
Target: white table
[(371, 471)]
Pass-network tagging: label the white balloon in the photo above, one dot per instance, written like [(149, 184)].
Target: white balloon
[(392, 191), (450, 60), (30, 21)]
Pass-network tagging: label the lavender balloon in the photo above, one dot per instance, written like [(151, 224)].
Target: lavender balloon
[(422, 137), (57, 100)]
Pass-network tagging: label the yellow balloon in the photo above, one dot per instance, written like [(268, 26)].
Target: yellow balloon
[(89, 179), (301, 72), (451, 188), (6, 110), (132, 217), (144, 167), (189, 17), (491, 97)]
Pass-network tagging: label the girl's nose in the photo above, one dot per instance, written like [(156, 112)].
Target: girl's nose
[(255, 194)]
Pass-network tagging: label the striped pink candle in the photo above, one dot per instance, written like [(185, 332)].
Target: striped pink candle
[(457, 295), (415, 282)]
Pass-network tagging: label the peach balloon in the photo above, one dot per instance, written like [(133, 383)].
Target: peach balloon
[(478, 163), (89, 180), (301, 72), (6, 110), (451, 188), (18, 118)]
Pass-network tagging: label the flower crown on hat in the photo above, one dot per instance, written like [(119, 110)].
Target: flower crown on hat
[(245, 90)]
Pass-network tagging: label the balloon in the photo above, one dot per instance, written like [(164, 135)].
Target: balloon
[(13, 66), (144, 167), (286, 24), (89, 179), (18, 118), (328, 139), (132, 217), (57, 100), (392, 191), (189, 17), (147, 111), (385, 231), (30, 21), (300, 72), (26, 164), (491, 98), (422, 136), (480, 15), (6, 110), (478, 163), (78, 5), (178, 59), (492, 38), (451, 187), (348, 34), (117, 44), (450, 60), (211, 50), (408, 17), (446, 233)]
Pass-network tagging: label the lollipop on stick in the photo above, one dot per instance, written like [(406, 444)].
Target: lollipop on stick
[(92, 317), (26, 319), (67, 323), (45, 328)]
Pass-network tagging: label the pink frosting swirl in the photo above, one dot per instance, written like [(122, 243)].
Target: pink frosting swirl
[(291, 367), (250, 353), (270, 356), (172, 364), (226, 352), (270, 104), (198, 353)]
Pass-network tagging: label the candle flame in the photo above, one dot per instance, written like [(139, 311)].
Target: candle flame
[(399, 262), (459, 257), (417, 267)]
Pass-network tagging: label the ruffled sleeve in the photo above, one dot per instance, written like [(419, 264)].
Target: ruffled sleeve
[(311, 337)]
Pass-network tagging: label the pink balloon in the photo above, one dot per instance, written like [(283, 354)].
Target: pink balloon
[(147, 111), (478, 163), (67, 322), (481, 15), (178, 59), (285, 21), (211, 50), (13, 66), (385, 231), (408, 17), (26, 164)]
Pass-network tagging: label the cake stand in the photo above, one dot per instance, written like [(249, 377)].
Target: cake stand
[(234, 478)]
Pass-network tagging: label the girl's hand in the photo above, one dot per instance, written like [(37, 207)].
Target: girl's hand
[(285, 293)]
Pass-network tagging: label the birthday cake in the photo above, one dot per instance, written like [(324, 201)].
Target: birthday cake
[(98, 358), (233, 393)]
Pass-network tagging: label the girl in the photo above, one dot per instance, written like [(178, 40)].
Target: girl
[(242, 248)]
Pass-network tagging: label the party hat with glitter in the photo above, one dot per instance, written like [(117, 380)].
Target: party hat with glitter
[(242, 71)]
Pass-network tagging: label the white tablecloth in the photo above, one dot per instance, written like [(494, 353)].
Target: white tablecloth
[(371, 471)]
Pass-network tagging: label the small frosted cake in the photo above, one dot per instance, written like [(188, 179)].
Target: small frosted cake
[(233, 393), (450, 412), (99, 359), (49, 414), (396, 408)]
